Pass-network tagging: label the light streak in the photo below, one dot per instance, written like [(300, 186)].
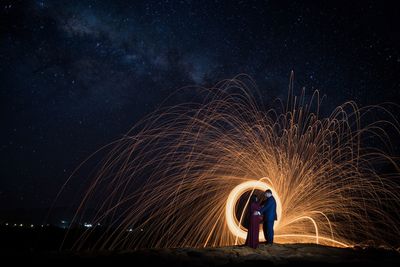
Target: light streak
[(233, 224), (175, 177)]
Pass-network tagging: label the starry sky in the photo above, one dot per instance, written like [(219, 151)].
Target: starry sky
[(76, 75)]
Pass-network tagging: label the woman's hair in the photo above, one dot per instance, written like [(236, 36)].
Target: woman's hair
[(253, 198)]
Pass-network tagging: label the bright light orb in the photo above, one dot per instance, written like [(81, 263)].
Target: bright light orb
[(231, 220)]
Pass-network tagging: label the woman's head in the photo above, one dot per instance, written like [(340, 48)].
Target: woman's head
[(253, 198)]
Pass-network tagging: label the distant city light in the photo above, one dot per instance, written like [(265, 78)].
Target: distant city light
[(6, 224), (88, 225), (32, 225), (21, 225), (64, 224)]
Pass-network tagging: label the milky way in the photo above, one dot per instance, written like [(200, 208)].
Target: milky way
[(76, 75)]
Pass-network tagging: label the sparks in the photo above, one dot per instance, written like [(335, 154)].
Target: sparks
[(180, 172)]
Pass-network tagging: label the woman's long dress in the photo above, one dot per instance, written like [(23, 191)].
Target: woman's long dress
[(254, 226)]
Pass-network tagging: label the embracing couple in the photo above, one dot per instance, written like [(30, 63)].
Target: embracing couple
[(258, 213)]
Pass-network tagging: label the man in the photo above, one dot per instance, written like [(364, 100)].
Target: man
[(269, 217)]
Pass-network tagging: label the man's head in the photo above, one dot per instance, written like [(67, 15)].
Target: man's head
[(268, 193)]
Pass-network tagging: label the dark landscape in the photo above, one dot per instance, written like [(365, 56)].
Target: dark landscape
[(41, 246)]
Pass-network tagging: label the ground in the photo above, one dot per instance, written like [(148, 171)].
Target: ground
[(40, 246), (282, 255)]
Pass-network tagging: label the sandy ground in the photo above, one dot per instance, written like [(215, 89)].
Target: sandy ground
[(281, 255)]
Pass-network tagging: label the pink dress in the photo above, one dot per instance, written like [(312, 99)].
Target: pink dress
[(254, 226)]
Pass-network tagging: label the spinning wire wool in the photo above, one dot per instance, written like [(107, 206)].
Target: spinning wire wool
[(175, 179)]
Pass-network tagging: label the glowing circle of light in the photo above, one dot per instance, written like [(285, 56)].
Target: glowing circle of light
[(180, 172), (234, 196)]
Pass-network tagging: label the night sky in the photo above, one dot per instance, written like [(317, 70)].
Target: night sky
[(76, 75)]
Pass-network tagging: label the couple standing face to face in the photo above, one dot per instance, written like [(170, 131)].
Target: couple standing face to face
[(265, 214)]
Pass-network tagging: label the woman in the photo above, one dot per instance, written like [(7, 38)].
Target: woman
[(254, 223)]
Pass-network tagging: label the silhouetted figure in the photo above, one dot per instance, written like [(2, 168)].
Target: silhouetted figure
[(254, 223), (269, 217)]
